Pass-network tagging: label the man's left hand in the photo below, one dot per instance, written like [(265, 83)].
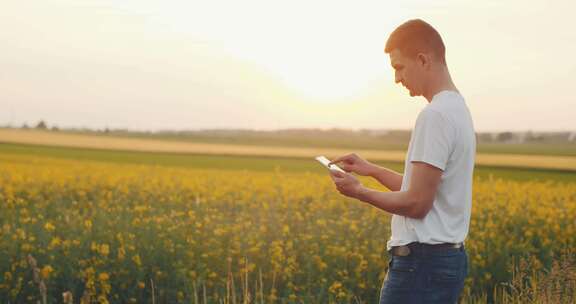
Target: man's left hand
[(347, 184)]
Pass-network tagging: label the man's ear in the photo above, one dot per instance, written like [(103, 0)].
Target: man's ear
[(423, 60)]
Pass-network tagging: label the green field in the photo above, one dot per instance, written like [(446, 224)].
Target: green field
[(249, 163)]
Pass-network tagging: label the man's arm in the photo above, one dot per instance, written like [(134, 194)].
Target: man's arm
[(389, 178), (416, 201)]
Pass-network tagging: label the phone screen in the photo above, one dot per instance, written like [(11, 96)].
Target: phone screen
[(324, 161)]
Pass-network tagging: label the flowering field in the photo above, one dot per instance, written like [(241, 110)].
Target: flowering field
[(128, 233)]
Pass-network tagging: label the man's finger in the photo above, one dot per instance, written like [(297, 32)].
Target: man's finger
[(333, 176), (336, 173), (339, 159)]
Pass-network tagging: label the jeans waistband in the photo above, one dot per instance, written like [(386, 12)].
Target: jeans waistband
[(416, 248)]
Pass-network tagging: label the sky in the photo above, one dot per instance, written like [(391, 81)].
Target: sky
[(251, 64)]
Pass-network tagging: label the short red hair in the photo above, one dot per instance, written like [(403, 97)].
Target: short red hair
[(416, 36)]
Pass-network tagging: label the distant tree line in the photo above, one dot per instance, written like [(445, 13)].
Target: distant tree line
[(393, 136)]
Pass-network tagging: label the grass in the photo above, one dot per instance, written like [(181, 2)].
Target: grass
[(532, 284), (250, 163)]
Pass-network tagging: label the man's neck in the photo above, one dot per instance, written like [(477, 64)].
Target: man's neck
[(442, 82)]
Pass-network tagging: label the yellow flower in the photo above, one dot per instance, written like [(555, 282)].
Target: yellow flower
[(137, 260), (26, 247), (103, 276), (335, 287), (192, 274), (46, 271), (102, 300), (104, 249), (121, 253), (49, 226), (56, 241), (141, 285)]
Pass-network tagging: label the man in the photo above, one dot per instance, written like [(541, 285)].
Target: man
[(431, 202)]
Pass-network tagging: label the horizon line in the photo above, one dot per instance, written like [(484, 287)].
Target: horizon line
[(161, 130)]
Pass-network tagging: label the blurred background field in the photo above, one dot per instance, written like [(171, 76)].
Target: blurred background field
[(550, 151), (127, 226)]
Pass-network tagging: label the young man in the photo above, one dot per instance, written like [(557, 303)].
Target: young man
[(431, 202)]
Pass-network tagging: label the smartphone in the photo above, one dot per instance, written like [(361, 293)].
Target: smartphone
[(324, 161)]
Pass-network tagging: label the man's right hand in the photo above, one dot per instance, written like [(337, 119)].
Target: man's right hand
[(354, 163)]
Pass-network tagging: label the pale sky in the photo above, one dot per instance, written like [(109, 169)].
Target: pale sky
[(151, 65)]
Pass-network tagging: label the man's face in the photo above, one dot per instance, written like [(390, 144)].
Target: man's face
[(407, 71)]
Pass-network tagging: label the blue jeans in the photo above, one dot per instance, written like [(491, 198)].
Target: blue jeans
[(425, 277)]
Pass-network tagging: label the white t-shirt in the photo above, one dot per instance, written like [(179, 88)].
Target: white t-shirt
[(444, 138)]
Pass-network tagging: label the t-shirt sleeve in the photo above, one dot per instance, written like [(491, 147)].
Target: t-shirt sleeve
[(433, 140)]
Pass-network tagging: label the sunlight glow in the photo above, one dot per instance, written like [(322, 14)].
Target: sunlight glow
[(334, 55), (189, 64)]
